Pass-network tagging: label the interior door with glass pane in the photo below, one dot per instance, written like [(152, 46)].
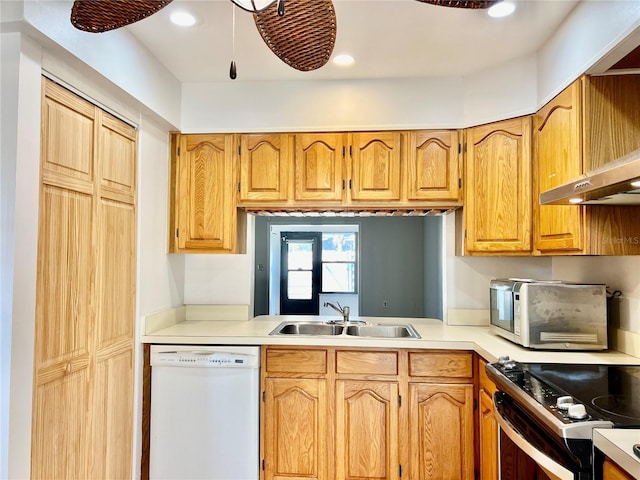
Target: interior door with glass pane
[(300, 273)]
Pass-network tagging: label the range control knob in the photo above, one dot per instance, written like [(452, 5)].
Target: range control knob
[(577, 412), (502, 359), (563, 403)]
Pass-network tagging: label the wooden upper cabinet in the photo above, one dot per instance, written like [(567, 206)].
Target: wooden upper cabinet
[(612, 118), (557, 160), (376, 165), (432, 164), (265, 162), (204, 194), (592, 122), (498, 188), (318, 166)]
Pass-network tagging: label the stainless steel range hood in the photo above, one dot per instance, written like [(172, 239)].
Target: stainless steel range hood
[(616, 183)]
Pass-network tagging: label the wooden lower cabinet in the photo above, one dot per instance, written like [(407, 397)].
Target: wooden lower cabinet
[(295, 433), (367, 430), (441, 431), (349, 413), (487, 427), (611, 471)]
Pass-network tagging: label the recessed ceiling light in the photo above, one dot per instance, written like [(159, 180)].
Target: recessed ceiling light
[(501, 9), (343, 59), (183, 19)]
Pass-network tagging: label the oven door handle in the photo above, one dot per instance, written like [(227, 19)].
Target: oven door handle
[(550, 466)]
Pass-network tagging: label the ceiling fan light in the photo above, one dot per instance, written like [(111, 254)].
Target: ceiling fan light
[(343, 59), (182, 19), (501, 9), (253, 6)]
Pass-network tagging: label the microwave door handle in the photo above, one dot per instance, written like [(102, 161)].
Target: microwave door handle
[(551, 467)]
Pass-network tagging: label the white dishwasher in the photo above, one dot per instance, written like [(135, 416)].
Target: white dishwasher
[(204, 412)]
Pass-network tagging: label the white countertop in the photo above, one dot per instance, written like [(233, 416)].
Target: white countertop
[(435, 335), (617, 444)]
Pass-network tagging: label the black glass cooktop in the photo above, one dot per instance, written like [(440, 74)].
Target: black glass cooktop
[(612, 390)]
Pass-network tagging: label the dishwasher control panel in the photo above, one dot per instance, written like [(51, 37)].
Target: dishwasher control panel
[(196, 358)]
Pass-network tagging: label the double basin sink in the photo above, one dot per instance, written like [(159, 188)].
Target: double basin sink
[(352, 329)]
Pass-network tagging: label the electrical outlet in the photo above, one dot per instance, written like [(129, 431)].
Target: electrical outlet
[(384, 304)]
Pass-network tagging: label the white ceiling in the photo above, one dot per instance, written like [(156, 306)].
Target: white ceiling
[(387, 38)]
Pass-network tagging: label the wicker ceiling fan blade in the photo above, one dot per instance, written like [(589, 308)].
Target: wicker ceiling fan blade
[(98, 16), (461, 3), (304, 37)]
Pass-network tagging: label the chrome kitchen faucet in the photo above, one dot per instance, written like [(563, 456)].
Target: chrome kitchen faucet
[(344, 311)]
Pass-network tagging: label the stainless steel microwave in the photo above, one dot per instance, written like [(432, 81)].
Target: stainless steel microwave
[(548, 314)]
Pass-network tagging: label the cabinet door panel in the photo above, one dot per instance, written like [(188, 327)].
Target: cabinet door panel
[(295, 438), (376, 165), (264, 167), (64, 313), (432, 164), (117, 158), (498, 187), (441, 431), (611, 471), (117, 292), (488, 432), (206, 183), (59, 433), (66, 116), (319, 166), (558, 160), (113, 415), (366, 430)]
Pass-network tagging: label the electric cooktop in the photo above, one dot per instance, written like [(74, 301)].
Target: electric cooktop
[(613, 391)]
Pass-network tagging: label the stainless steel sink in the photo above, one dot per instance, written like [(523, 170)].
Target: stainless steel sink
[(334, 328), (383, 331), (307, 328)]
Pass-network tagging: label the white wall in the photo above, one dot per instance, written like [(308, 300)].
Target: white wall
[(116, 55), (21, 165), (221, 279), (321, 106), (9, 80), (618, 273), (593, 29), (500, 92), (466, 279)]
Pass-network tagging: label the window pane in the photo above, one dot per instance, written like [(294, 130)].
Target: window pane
[(299, 286), (300, 254), (339, 247), (338, 277)]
